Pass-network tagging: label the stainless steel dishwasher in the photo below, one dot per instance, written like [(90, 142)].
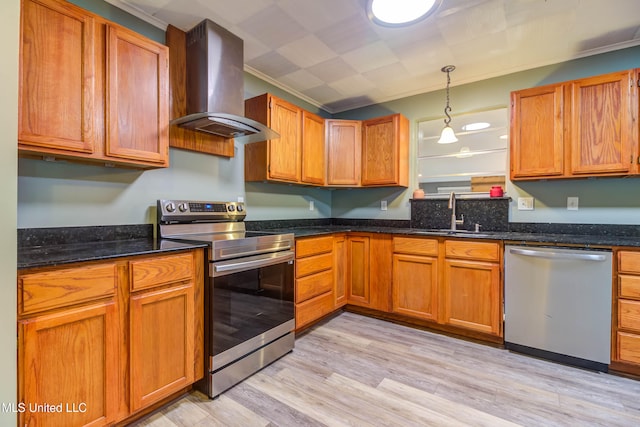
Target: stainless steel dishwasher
[(558, 304)]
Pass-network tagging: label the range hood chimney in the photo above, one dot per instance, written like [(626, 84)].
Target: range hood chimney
[(215, 86)]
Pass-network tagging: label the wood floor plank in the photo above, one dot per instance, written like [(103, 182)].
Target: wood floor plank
[(353, 370), (462, 413)]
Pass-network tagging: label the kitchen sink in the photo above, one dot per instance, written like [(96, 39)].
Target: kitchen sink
[(449, 232)]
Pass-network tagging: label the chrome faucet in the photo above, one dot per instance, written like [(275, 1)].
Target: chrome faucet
[(452, 205)]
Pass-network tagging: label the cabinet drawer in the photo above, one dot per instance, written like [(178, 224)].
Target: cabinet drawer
[(313, 246), (628, 347), (472, 250), (629, 286), (314, 285), (58, 288), (313, 264), (313, 309), (629, 262), (160, 270), (415, 245), (629, 315)]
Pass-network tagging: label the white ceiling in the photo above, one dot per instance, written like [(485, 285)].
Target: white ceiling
[(328, 53)]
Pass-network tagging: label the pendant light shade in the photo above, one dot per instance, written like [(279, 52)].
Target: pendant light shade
[(447, 136)]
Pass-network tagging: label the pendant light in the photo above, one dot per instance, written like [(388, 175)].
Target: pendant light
[(447, 136)]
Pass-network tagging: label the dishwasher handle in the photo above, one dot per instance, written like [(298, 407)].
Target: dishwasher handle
[(558, 254)]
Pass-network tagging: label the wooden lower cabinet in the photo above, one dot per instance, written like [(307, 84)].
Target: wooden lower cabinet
[(415, 286), (472, 295), (104, 340), (456, 283), (369, 270), (339, 270), (625, 342), (162, 343), (69, 359), (314, 297)]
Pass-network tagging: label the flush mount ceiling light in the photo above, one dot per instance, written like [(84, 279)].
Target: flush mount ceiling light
[(476, 126), (396, 13), (447, 136)]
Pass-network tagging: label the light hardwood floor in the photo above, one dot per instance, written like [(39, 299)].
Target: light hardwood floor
[(358, 371)]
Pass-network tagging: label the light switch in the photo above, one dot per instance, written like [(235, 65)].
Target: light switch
[(311, 205), (383, 205)]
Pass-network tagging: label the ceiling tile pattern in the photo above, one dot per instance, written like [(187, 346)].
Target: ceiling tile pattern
[(329, 53)]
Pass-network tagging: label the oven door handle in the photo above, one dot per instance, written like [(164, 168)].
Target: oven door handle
[(249, 264)]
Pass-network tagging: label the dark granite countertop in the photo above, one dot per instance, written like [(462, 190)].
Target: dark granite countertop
[(46, 247), (52, 255), (506, 236)]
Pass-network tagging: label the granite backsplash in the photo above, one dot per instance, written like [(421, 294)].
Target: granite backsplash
[(492, 214)]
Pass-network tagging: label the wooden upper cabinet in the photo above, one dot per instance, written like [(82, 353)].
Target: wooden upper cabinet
[(344, 150), (137, 86), (57, 90), (537, 132), (385, 148), (602, 125), (278, 159), (313, 149), (578, 128), (90, 90)]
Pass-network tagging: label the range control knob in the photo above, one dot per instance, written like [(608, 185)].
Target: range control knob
[(231, 208), (240, 208), (170, 207), (183, 207)]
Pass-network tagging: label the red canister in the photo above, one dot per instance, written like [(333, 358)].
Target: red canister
[(496, 191)]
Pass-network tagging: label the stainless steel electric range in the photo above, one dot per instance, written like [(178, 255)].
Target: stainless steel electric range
[(249, 309)]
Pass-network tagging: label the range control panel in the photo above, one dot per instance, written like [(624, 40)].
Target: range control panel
[(172, 211)]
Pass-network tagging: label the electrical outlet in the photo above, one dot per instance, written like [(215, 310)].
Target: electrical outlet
[(240, 199), (572, 203), (383, 205), (311, 205), (525, 203)]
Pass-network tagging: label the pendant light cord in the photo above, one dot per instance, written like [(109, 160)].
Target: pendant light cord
[(447, 69)]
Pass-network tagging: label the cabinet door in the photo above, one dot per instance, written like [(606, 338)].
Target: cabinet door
[(358, 270), (472, 295), (344, 142), (70, 359), (137, 87), (56, 103), (313, 157), (385, 151), (601, 125), (537, 132), (284, 154), (415, 286), (161, 344), (339, 270)]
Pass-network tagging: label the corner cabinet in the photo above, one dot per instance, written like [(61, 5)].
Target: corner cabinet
[(107, 339), (369, 264), (90, 90), (575, 129), (385, 151)]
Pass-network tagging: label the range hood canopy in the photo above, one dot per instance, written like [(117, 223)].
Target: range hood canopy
[(215, 86)]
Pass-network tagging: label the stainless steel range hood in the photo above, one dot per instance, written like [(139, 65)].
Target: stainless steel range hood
[(215, 86)]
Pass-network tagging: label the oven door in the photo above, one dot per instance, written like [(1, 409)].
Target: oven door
[(250, 304)]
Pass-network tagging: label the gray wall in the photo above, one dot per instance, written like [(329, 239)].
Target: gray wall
[(9, 29)]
